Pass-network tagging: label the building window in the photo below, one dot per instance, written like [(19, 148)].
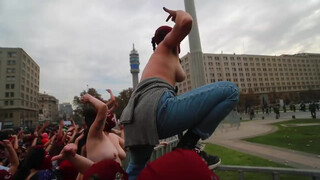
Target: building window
[(11, 70), (12, 54), (11, 78), (11, 62)]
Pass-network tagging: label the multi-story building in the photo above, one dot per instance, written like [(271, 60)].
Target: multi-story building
[(19, 88), (65, 111), (48, 108), (259, 74)]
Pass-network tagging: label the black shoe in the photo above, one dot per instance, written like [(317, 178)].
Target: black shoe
[(212, 161)]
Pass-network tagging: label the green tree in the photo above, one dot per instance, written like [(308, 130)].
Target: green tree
[(122, 101), (79, 106)]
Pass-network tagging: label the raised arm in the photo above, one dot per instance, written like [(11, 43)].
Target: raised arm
[(44, 126), (182, 27), (13, 157), (49, 144), (102, 109), (79, 162), (112, 99), (15, 142), (60, 132)]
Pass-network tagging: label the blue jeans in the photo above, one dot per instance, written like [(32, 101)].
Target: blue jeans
[(139, 156), (200, 110)]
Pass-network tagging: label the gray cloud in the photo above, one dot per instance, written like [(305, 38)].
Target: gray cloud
[(79, 43)]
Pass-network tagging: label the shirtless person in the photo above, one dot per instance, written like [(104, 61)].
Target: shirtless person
[(155, 112), (100, 144)]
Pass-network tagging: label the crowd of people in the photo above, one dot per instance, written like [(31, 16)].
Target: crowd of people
[(92, 151), (154, 112)]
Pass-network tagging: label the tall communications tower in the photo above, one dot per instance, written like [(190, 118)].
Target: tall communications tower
[(196, 64), (134, 64)]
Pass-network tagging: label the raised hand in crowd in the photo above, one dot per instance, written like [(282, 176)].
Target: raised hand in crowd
[(12, 156)]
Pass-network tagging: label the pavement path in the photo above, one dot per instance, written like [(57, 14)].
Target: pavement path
[(230, 137)]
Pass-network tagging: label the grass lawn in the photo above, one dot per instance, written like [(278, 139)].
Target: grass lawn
[(300, 138), (232, 157)]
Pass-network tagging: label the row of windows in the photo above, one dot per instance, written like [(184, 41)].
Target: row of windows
[(9, 86), (9, 94), (11, 78), (11, 62), (279, 88), (28, 90), (9, 103), (12, 54), (27, 97), (28, 61), (310, 70), (34, 80), (29, 104), (253, 68), (257, 59), (11, 70), (23, 103), (8, 115), (272, 76)]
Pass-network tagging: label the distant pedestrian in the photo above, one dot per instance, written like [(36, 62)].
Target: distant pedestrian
[(276, 111), (251, 114), (303, 106), (312, 109)]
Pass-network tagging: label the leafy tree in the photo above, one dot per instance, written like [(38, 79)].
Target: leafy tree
[(79, 106), (122, 101)]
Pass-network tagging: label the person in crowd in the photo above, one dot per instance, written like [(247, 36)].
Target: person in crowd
[(276, 109), (251, 113), (101, 144), (178, 164), (155, 111), (102, 170), (11, 156), (36, 165), (302, 106), (312, 109)]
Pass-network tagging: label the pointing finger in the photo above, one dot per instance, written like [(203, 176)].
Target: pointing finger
[(168, 18)]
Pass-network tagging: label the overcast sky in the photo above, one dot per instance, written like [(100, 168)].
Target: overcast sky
[(79, 42)]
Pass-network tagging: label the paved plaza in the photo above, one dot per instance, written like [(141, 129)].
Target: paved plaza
[(230, 137)]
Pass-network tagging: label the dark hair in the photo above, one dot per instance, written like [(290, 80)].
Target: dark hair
[(3, 135), (33, 160), (159, 35), (89, 113)]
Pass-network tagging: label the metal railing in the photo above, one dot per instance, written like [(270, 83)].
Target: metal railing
[(160, 150), (274, 171)]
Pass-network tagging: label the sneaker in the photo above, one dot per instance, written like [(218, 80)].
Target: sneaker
[(212, 161)]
